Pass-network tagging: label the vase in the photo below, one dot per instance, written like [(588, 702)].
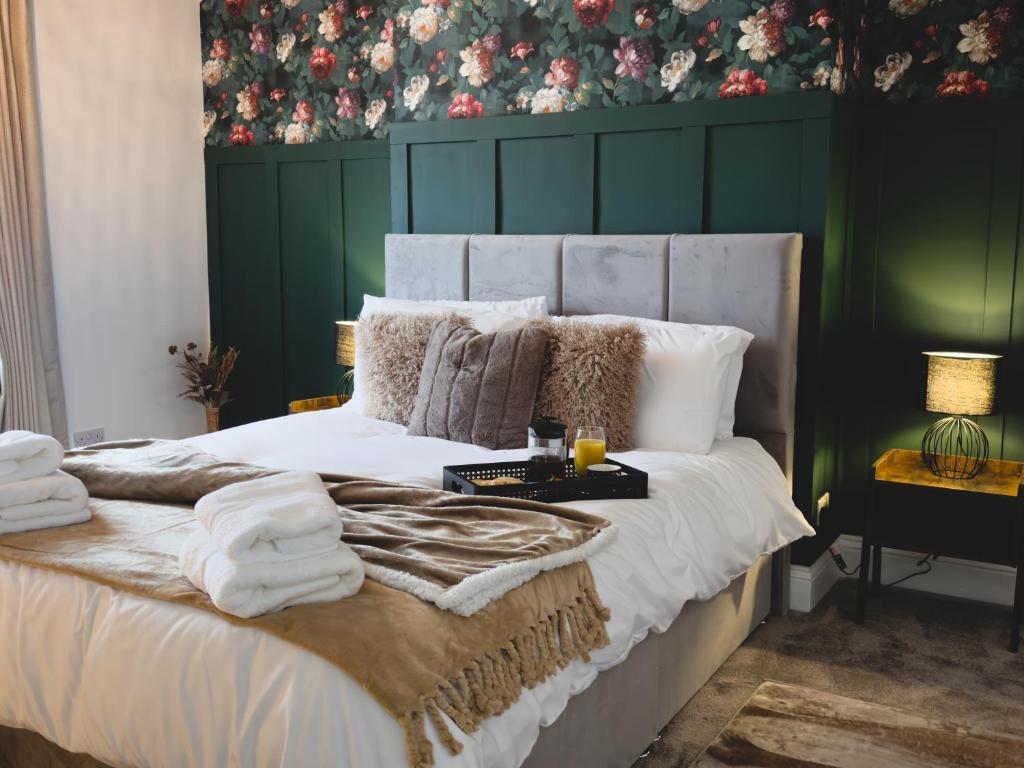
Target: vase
[(212, 419)]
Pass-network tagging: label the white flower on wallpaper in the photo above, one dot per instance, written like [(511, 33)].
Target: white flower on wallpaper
[(677, 69), (415, 91), (548, 100), (375, 112), (891, 71), (295, 133), (424, 24), (213, 72), (209, 120), (285, 44), (982, 39), (382, 56), (687, 7)]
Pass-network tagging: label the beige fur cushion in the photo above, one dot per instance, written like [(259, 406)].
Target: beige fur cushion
[(592, 376), (391, 349)]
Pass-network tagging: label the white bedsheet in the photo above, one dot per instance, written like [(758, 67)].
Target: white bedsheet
[(139, 682)]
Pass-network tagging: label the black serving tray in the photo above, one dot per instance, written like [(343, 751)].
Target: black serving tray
[(628, 483)]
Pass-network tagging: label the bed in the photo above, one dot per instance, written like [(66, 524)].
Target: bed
[(133, 681)]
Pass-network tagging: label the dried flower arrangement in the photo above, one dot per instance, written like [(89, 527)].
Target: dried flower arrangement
[(207, 378)]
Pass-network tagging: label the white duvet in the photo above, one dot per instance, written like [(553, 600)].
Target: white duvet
[(139, 682)]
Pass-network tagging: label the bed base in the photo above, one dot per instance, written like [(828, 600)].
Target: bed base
[(616, 719), (611, 723)]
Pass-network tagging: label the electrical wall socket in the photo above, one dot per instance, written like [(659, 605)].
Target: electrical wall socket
[(823, 503), (87, 437)]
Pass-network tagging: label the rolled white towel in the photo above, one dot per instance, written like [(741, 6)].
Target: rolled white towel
[(55, 494), (25, 455), (251, 589), (272, 519)]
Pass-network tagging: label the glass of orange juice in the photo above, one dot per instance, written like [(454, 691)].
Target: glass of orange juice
[(588, 448)]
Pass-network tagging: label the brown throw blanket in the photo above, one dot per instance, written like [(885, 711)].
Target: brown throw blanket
[(414, 658)]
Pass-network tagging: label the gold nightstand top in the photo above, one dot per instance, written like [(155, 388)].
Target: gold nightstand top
[(1000, 478), (317, 403)]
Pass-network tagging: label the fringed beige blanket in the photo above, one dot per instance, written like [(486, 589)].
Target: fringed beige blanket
[(414, 658)]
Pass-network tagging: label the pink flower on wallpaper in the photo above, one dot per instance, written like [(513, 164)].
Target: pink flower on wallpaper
[(220, 49), (742, 82), (565, 73), (241, 136), (364, 11), (521, 50), (713, 26), (261, 38), (436, 3), (783, 10), (321, 63), (821, 18), (266, 11), (492, 43), (342, 6), (635, 55), (303, 113), (593, 13), (348, 102), (961, 85), (464, 106), (277, 94), (236, 7)]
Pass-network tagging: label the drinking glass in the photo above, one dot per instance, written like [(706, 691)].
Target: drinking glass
[(588, 448)]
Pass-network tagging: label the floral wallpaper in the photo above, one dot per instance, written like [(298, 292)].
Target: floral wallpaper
[(944, 50), (297, 71)]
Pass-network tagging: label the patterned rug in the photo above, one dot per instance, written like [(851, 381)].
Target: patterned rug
[(788, 726)]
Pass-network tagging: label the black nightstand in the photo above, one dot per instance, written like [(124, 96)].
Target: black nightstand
[(910, 508)]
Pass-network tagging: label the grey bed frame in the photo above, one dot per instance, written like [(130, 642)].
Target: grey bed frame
[(748, 281)]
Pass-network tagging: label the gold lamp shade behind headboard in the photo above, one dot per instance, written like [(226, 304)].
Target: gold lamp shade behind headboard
[(345, 343)]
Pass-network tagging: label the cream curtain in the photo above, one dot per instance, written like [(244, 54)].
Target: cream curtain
[(28, 325)]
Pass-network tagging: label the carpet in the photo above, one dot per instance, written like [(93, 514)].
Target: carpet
[(789, 726), (937, 656)]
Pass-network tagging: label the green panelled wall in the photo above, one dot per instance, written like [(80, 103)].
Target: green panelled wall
[(935, 264), (751, 165), (295, 239)]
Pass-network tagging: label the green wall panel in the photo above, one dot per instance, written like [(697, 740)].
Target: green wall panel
[(650, 181), (296, 236), (312, 276), (546, 185), (449, 190), (367, 214), (753, 181), (250, 299)]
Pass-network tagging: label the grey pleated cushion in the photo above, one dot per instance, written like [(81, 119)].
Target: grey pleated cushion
[(479, 387)]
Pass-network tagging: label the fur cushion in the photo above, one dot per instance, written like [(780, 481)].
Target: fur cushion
[(477, 387), (391, 351), (591, 377)]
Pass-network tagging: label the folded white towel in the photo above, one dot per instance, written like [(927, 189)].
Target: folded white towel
[(272, 519), (45, 521), (54, 494), (251, 589), (24, 455)]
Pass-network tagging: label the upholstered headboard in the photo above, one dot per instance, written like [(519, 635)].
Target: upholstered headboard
[(748, 281)]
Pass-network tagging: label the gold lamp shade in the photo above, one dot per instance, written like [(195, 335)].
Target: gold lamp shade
[(345, 343), (961, 383)]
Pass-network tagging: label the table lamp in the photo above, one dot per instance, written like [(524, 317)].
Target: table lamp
[(960, 384), (345, 351)]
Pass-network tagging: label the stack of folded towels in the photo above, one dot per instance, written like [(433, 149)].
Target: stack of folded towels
[(269, 543), (33, 492)]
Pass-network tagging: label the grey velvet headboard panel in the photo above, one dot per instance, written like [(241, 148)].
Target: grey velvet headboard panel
[(535, 259), (749, 281)]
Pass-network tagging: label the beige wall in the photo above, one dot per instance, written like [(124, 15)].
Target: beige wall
[(121, 103)]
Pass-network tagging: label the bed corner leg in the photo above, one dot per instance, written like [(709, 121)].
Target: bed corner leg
[(780, 582)]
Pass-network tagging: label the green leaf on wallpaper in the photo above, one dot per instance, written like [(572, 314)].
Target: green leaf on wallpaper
[(799, 33)]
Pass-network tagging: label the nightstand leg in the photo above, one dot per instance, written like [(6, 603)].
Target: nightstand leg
[(876, 569), (865, 560), (1018, 609)]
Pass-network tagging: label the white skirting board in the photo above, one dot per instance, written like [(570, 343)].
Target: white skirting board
[(985, 582)]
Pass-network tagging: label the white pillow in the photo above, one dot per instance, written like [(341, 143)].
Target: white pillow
[(486, 317), (689, 382)]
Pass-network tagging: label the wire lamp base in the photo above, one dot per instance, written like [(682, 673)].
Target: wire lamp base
[(955, 448)]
